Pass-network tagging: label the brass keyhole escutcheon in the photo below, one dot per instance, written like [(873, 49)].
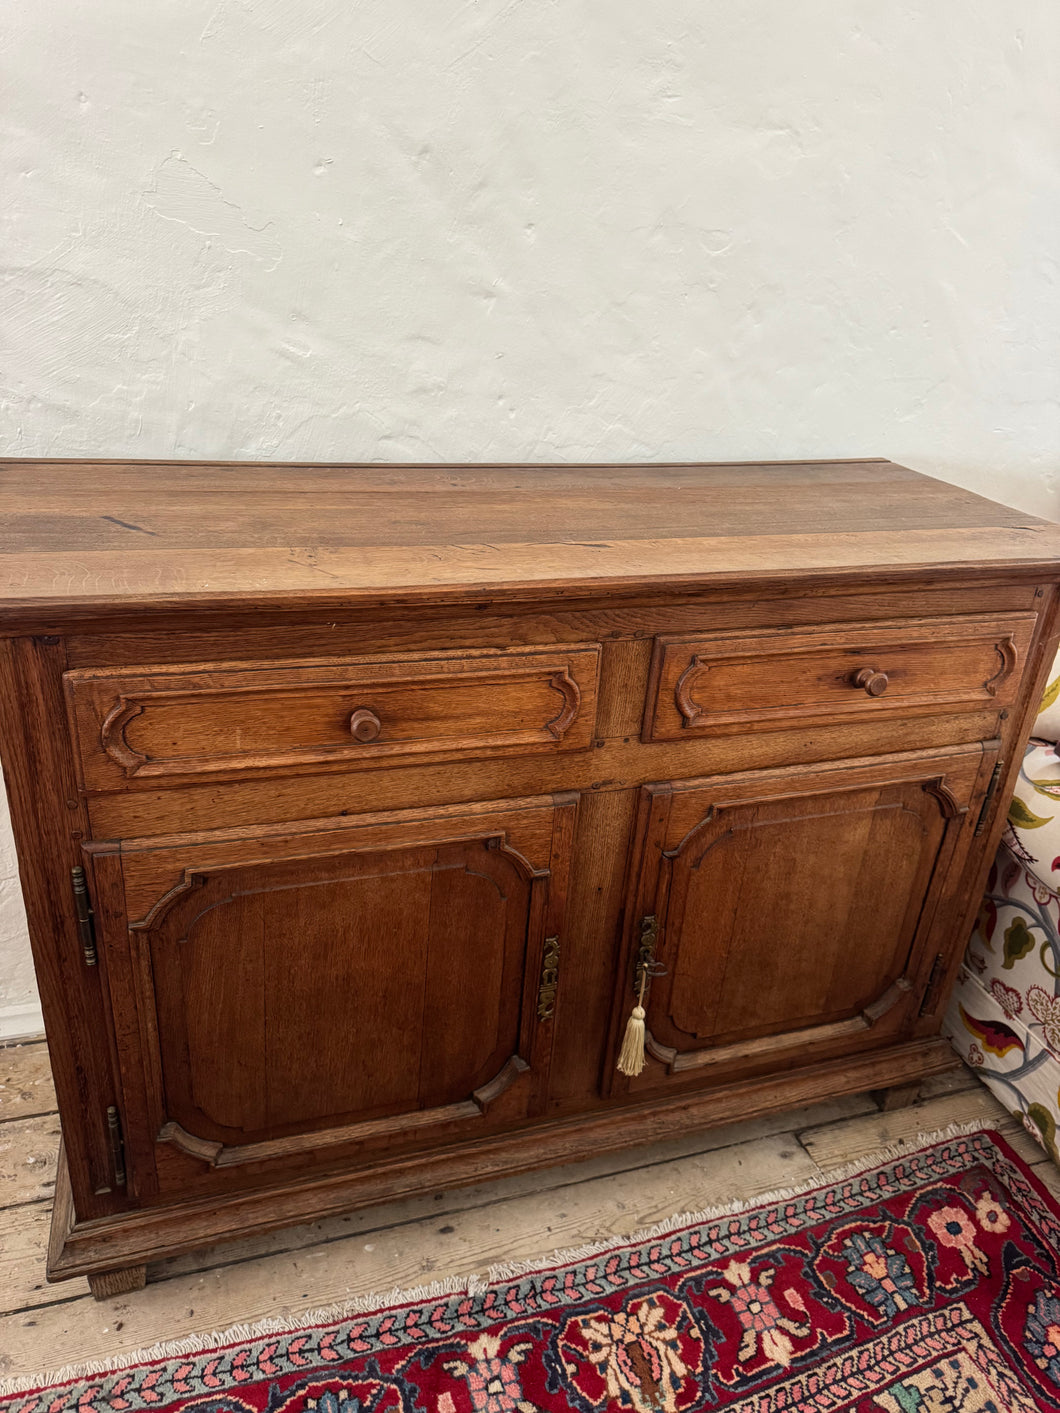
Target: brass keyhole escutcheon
[(365, 726), (875, 683)]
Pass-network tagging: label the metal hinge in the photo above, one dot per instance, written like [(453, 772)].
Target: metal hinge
[(83, 908), (988, 798), (546, 996), (932, 985), (117, 1144)]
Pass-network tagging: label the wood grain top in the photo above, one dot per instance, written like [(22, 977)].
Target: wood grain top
[(75, 534)]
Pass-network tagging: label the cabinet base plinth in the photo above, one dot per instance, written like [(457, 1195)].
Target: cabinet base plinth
[(123, 1243)]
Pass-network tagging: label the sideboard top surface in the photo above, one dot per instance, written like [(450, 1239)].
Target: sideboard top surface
[(84, 535)]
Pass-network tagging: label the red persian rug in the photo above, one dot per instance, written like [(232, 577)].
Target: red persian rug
[(928, 1283)]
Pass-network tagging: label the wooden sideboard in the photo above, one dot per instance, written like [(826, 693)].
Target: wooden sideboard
[(352, 802)]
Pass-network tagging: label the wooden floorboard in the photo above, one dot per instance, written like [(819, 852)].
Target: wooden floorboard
[(831, 1146), (23, 1245), (408, 1243), (25, 1081), (28, 1152)]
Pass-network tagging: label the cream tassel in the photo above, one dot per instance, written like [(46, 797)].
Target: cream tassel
[(631, 1056)]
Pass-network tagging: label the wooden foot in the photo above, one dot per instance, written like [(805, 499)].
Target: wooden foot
[(120, 1282), (900, 1096)]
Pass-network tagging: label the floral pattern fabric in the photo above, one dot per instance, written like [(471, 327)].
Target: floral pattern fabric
[(1033, 831), (1047, 725), (929, 1284), (1004, 1015)]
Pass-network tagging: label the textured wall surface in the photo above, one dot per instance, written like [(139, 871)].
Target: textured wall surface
[(501, 229)]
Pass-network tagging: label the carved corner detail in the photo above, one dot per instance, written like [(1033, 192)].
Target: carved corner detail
[(206, 1149), (1007, 659), (565, 685), (503, 1080), (112, 735), (191, 880), (949, 804), (690, 709), (893, 996), (665, 1054)]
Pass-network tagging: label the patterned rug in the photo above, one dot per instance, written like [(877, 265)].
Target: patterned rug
[(926, 1283)]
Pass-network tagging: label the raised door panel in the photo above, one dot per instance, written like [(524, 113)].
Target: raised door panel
[(357, 986), (791, 912)]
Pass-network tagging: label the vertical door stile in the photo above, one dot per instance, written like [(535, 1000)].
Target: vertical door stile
[(944, 944), (123, 1009), (645, 871), (550, 946)]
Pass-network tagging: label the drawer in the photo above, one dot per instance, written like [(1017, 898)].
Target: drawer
[(729, 682), (152, 723)]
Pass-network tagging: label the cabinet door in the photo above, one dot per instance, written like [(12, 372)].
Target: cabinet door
[(343, 988), (793, 914)]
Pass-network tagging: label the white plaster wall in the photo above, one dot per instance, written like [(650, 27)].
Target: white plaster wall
[(527, 229)]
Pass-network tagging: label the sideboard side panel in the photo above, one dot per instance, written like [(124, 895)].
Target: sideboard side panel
[(48, 818), (968, 889)]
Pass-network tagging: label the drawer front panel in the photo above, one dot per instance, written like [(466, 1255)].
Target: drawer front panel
[(149, 724), (759, 681)]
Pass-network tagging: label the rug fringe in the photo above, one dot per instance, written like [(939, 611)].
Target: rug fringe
[(374, 1302), (237, 1334)]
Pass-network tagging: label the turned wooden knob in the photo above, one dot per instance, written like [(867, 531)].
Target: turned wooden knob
[(875, 683), (365, 725)]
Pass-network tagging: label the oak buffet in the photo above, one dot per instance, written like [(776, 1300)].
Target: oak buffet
[(350, 802)]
